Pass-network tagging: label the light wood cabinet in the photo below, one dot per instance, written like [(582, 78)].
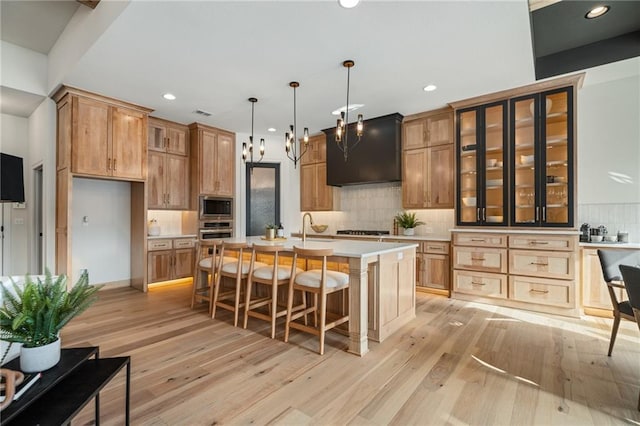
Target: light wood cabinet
[(530, 271), (315, 194), (432, 266), (170, 259), (107, 140), (167, 136), (212, 161), (428, 160), (594, 290)]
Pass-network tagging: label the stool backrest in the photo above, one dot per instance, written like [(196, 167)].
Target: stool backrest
[(610, 260), (631, 277)]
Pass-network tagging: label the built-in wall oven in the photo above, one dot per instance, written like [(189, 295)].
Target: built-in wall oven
[(211, 230)]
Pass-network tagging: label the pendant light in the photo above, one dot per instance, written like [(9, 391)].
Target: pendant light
[(342, 134), (250, 148), (292, 146)]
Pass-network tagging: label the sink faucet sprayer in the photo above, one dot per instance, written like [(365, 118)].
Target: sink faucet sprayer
[(304, 229)]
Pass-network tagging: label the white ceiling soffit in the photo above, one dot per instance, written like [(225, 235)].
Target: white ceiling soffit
[(17, 102), (215, 55), (35, 25)]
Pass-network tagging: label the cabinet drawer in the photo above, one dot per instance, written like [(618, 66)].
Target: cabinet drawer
[(545, 264), (159, 244), (184, 243), (542, 291), (480, 240), (435, 247), (542, 242), (480, 259), (480, 283)]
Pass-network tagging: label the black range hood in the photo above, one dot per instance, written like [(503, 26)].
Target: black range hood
[(377, 158)]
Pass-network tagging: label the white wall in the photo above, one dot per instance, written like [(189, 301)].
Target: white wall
[(23, 69), (103, 244), (14, 135)]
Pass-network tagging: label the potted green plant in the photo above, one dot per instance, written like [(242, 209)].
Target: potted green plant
[(408, 221), (270, 231), (34, 314)]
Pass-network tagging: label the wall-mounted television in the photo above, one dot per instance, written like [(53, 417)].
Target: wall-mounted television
[(377, 157), (11, 179)]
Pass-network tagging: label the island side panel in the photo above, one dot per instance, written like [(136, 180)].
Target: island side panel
[(358, 308)]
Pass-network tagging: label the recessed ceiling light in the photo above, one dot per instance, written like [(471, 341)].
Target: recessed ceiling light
[(271, 129), (169, 96), (596, 12), (348, 4), (352, 107), (429, 88)]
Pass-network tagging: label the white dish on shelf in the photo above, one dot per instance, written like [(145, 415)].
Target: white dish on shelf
[(491, 162), (532, 106), (526, 159), (494, 219), (494, 182), (469, 201)]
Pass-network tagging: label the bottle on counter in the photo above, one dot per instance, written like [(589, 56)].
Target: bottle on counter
[(280, 231), (154, 228)]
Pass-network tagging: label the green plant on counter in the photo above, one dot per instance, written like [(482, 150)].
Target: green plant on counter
[(35, 313), (270, 226), (408, 220)]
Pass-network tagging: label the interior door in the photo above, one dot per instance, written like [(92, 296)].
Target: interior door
[(263, 197)]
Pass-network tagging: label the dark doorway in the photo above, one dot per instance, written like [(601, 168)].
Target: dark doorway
[(263, 197)]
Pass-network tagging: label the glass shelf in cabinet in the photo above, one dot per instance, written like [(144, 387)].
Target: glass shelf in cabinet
[(524, 185), (494, 149), (495, 168), (557, 205), (560, 163), (467, 132), (524, 206), (556, 141), (527, 145), (557, 116), (524, 122), (525, 166), (468, 172)]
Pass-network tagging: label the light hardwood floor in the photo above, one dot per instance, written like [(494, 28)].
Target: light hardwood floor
[(457, 363)]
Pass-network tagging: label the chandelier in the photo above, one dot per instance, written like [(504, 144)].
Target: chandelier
[(290, 138), (250, 148), (342, 134)]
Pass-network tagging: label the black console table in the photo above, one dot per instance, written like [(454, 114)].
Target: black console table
[(65, 389)]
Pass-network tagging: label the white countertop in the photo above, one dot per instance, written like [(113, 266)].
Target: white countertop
[(604, 245), (346, 248), (538, 231), (156, 237), (381, 237)]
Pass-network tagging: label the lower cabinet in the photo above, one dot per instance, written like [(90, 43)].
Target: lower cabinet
[(170, 259), (595, 296), (536, 272), (433, 266)]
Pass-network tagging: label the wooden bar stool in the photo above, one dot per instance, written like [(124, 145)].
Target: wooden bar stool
[(271, 276), (205, 269), (320, 282), (238, 270)]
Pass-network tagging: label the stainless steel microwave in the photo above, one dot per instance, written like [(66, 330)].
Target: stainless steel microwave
[(216, 208)]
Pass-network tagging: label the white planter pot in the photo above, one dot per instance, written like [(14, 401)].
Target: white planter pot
[(40, 358), (409, 231)]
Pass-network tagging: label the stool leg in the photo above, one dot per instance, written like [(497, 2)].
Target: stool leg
[(247, 301), (289, 309), (323, 318), (274, 307), (236, 311)]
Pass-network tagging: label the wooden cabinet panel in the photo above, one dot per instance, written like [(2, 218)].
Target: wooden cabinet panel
[(546, 264), (594, 290), (440, 129), (307, 187), (316, 150), (178, 140), (440, 192), (170, 259), (542, 291), (176, 182), (159, 244), (397, 296), (183, 262), (208, 183), (214, 166), (159, 265), (155, 180), (315, 194), (90, 152), (225, 164), (480, 284), (63, 145), (480, 259), (480, 240), (157, 135), (414, 171), (128, 136), (436, 271), (435, 247), (414, 134), (543, 242)]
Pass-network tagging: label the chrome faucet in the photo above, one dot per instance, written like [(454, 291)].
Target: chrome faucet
[(304, 229)]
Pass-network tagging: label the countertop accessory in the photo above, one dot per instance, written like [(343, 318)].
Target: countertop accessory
[(244, 144), (470, 147), (154, 228), (290, 138), (491, 162), (596, 238), (526, 159), (585, 232), (342, 134), (623, 236), (319, 228)]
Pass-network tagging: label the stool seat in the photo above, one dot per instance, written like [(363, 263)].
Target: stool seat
[(206, 262), (266, 272), (313, 278), (232, 267)]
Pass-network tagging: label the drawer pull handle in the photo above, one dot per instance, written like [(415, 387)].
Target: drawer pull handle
[(477, 283), (434, 248), (478, 239), (538, 242), (539, 264), (533, 290)]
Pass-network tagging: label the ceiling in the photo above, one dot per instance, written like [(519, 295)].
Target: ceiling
[(213, 55)]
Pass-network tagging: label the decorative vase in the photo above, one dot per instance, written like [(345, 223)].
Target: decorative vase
[(154, 228), (39, 358), (409, 231), (270, 234)]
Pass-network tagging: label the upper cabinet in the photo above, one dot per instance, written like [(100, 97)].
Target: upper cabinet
[(168, 170), (515, 156), (315, 194), (428, 160), (103, 137), (212, 160)]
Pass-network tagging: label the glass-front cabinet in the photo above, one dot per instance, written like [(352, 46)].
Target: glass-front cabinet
[(541, 159), (481, 158)]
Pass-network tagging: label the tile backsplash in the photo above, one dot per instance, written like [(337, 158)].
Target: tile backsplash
[(616, 217), (373, 206)]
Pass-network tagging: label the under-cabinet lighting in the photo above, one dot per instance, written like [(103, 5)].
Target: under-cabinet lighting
[(597, 12)]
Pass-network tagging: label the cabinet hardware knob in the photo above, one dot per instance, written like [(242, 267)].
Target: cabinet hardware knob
[(533, 290)]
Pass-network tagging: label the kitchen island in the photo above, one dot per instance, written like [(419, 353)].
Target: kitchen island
[(381, 284)]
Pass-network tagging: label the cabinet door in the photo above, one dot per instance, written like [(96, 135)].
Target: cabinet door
[(307, 186), (90, 153), (439, 129), (225, 165), (157, 136), (324, 193), (414, 170), (177, 140), (492, 161), (440, 177), (129, 142), (177, 182), (467, 143), (414, 134), (316, 150), (594, 290), (436, 271), (183, 263), (159, 265), (155, 181), (208, 178)]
